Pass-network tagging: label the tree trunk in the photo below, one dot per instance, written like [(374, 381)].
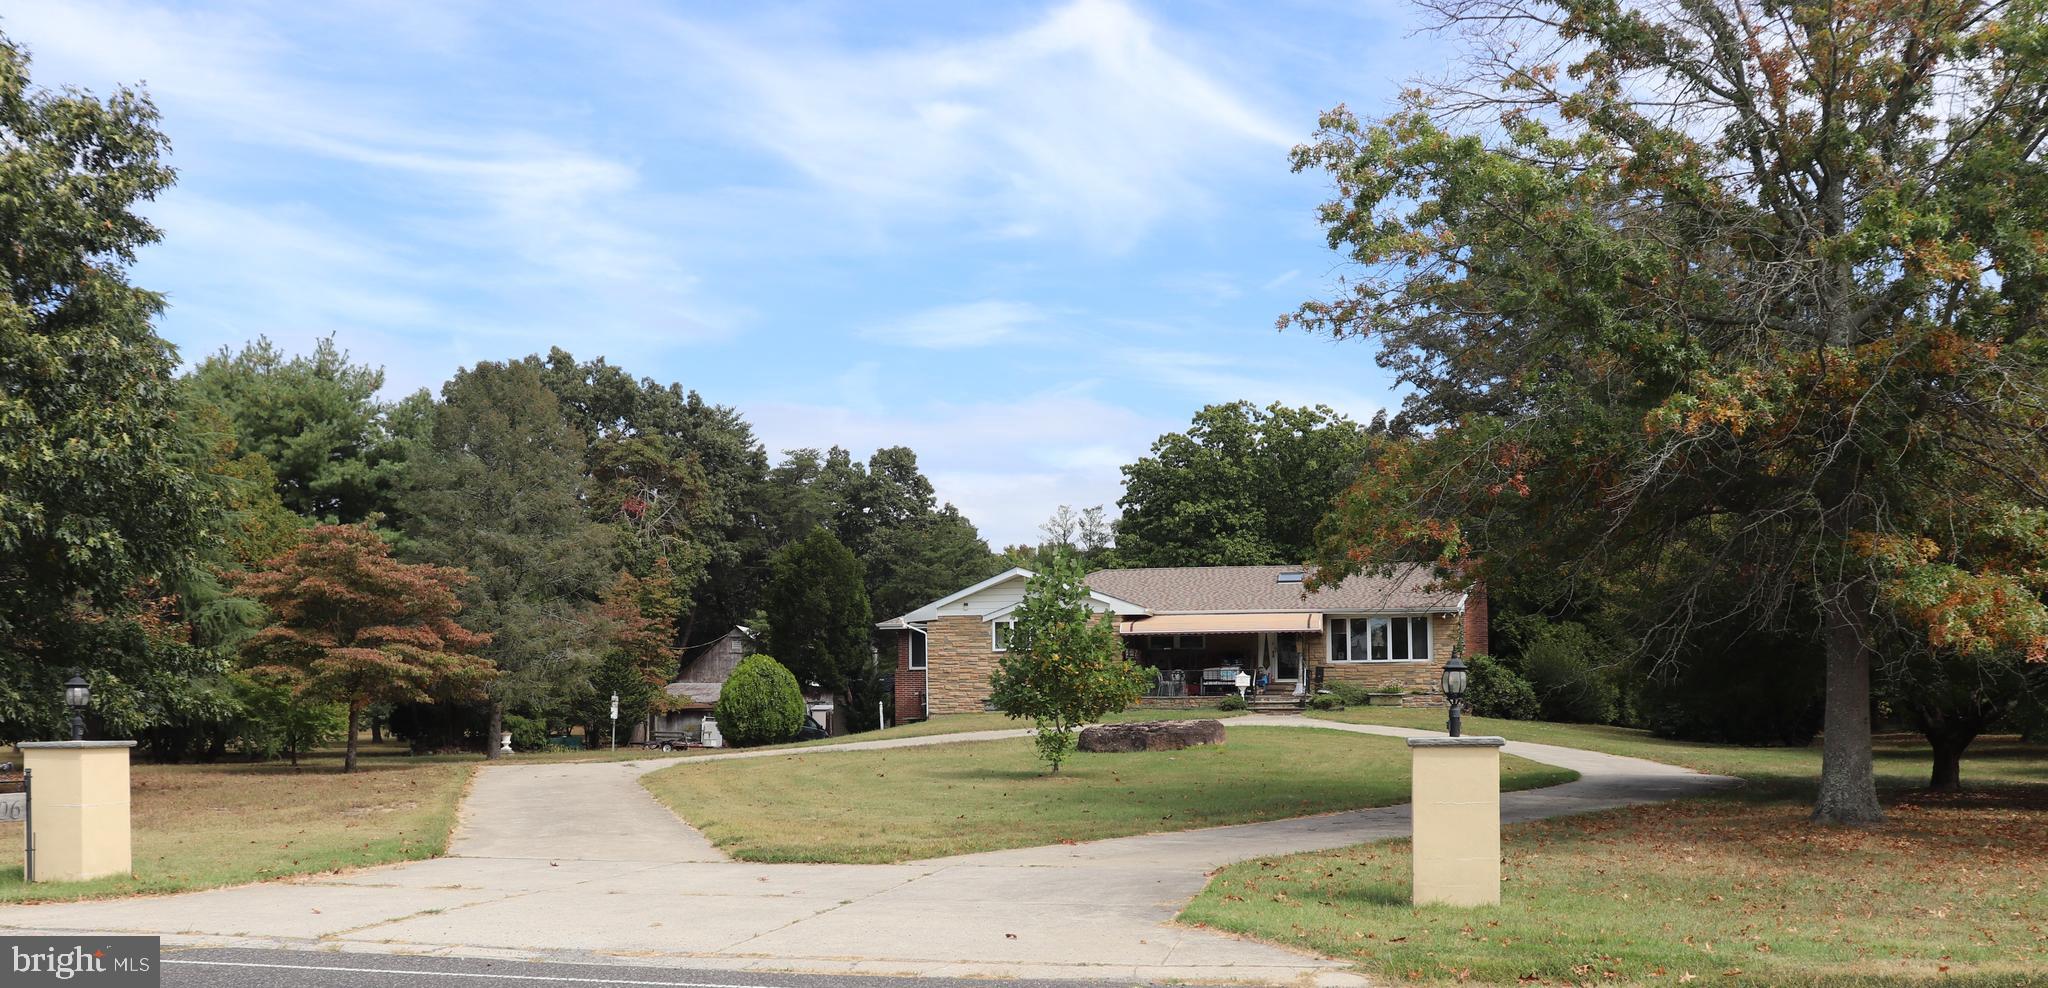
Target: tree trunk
[(497, 728), (1948, 761), (1848, 784), (348, 761), (376, 730)]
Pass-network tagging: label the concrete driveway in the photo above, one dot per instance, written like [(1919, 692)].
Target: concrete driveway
[(576, 862)]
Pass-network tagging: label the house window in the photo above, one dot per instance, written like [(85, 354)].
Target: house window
[(1000, 633), (1188, 643), (1379, 639), (917, 645)]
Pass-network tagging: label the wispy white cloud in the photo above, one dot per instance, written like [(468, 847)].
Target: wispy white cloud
[(1280, 280), (954, 327), (1092, 121), (473, 227)]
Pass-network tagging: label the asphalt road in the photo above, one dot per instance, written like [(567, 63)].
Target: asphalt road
[(246, 968)]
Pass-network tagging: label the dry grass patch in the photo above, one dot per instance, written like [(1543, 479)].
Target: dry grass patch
[(203, 826), (910, 803)]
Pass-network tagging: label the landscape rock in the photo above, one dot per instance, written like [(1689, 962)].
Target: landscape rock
[(1162, 735)]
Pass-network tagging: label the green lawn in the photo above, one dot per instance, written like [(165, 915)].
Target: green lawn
[(963, 723), (911, 803), (202, 826), (1734, 889), (1902, 760)]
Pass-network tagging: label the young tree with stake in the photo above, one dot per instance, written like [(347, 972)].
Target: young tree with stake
[(1064, 664)]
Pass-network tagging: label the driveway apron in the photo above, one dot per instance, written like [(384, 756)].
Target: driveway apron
[(577, 862)]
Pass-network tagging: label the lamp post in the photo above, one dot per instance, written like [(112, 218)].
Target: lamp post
[(1454, 692), (77, 693)]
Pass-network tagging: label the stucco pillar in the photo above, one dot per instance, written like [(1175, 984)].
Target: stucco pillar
[(1456, 799), (78, 799)]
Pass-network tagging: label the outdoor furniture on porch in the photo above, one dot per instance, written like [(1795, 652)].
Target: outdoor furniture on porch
[(1220, 679), (1170, 683)]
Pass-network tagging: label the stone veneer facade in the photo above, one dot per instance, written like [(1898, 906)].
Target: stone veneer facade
[(959, 661)]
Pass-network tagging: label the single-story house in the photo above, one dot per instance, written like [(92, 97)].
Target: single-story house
[(1199, 626), (693, 694)]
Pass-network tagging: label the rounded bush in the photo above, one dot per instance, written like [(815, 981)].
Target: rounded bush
[(760, 703), (1232, 702), (1325, 701), (1494, 690)]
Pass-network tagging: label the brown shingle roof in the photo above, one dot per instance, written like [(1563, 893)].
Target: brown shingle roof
[(1184, 589)]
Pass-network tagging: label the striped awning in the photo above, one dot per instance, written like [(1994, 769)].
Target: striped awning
[(1221, 624)]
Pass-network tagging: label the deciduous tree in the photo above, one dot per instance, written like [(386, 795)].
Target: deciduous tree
[(94, 500), (1767, 280), (1064, 663), (356, 626), (1242, 486)]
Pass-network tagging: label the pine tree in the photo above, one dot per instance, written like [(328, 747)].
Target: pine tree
[(497, 491)]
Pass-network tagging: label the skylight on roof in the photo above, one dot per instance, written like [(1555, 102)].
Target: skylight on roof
[(1291, 576)]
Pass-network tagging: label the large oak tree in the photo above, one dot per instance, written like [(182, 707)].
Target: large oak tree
[(96, 499), (1765, 278)]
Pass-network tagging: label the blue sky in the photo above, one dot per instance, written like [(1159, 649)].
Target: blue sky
[(1023, 239)]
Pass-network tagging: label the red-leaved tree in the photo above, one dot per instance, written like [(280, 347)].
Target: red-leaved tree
[(354, 625)]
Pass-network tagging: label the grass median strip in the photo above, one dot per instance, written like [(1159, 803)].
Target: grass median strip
[(912, 803), (205, 826)]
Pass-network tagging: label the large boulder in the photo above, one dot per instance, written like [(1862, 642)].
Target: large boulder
[(1158, 735)]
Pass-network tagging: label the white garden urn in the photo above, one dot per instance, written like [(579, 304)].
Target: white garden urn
[(505, 742)]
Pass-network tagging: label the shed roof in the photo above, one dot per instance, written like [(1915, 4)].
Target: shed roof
[(704, 693)]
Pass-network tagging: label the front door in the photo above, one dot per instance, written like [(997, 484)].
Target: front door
[(1283, 658)]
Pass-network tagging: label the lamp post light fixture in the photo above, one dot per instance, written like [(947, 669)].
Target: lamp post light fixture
[(1454, 692), (77, 693)]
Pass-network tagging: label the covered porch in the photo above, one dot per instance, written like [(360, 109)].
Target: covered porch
[(1202, 654)]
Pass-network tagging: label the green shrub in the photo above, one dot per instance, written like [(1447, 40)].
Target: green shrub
[(1349, 694), (760, 703), (1231, 702), (1565, 663), (1325, 701), (528, 733), (277, 722), (1494, 690)]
